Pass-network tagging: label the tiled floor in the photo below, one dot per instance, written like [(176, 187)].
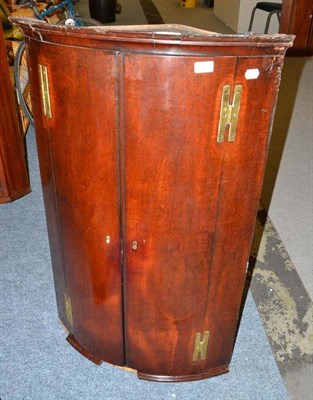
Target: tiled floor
[(285, 308), (283, 302)]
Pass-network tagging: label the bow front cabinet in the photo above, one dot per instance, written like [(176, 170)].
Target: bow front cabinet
[(152, 143)]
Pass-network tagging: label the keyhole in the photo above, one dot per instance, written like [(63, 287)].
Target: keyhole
[(135, 245)]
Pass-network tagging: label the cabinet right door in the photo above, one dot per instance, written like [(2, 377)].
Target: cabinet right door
[(190, 201)]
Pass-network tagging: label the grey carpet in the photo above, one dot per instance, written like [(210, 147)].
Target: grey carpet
[(36, 363)]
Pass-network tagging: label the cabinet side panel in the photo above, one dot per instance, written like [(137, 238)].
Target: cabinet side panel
[(78, 146), (47, 180), (173, 174)]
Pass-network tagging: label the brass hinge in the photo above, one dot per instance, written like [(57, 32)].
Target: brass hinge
[(229, 113), (44, 83), (201, 346), (68, 308)]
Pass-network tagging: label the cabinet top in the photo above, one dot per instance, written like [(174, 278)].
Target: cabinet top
[(171, 39)]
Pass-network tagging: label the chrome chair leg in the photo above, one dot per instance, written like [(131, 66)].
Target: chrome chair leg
[(252, 19), (268, 20)]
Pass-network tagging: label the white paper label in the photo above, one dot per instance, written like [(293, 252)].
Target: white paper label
[(203, 67), (252, 73)]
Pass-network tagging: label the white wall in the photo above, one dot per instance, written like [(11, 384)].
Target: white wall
[(228, 12), (236, 14)]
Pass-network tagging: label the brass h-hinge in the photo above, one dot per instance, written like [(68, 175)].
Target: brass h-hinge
[(68, 308), (201, 346), (44, 81), (229, 113)]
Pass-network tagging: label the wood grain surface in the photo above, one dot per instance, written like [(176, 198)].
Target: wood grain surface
[(297, 19), (14, 180)]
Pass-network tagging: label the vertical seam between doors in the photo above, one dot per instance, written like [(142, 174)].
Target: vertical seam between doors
[(121, 190)]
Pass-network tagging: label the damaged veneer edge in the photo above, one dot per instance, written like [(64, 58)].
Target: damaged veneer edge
[(162, 31)]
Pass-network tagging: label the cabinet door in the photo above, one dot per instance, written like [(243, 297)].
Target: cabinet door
[(173, 183), (190, 205), (78, 160)]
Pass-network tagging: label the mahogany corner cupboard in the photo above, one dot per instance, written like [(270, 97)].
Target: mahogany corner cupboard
[(152, 143)]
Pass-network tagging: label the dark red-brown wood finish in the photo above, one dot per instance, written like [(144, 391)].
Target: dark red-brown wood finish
[(150, 217), (14, 181), (297, 19)]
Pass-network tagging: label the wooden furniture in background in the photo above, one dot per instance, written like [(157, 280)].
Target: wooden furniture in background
[(297, 19), (14, 180), (152, 144)]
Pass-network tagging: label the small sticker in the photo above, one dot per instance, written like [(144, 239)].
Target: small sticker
[(167, 33), (202, 67), (252, 73)]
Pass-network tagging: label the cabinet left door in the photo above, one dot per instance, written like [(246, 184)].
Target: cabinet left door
[(78, 153)]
